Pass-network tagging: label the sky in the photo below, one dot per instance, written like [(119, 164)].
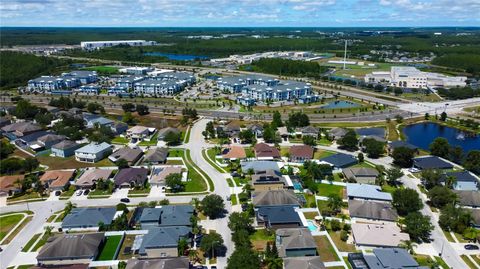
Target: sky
[(239, 13)]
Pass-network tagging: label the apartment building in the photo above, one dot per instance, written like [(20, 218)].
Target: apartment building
[(92, 45), (157, 87)]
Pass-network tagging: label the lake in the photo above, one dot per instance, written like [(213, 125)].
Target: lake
[(177, 57), (423, 134), (340, 104)]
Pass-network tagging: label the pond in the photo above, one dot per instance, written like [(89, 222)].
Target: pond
[(178, 57), (340, 104), (377, 131), (423, 134)]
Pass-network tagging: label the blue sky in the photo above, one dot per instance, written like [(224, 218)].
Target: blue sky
[(218, 13)]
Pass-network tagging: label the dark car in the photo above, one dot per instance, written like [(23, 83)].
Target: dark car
[(57, 193), (471, 247), (125, 200), (86, 192)]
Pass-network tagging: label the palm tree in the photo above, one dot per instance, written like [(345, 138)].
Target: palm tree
[(182, 246), (408, 245), (334, 202), (450, 181), (275, 263)]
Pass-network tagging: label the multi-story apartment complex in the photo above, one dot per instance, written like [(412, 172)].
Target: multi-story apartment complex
[(64, 82), (157, 87), (91, 45), (411, 77)]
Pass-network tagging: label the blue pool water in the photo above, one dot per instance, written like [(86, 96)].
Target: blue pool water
[(298, 186), (423, 134), (177, 57), (311, 226), (340, 104)]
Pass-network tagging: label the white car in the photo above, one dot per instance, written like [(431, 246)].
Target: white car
[(78, 193), (413, 170)]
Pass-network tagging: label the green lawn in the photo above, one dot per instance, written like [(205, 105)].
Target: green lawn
[(108, 251), (98, 192), (262, 234), (153, 141), (41, 242), (328, 189), (120, 140), (209, 156), (196, 183), (467, 261), (341, 245), (7, 224), (139, 192), (319, 154), (233, 199), (325, 249), (30, 242), (176, 153), (187, 135), (68, 193), (364, 165)]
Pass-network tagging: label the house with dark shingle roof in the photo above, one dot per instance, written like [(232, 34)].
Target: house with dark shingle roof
[(468, 198), (431, 162), (276, 217), (156, 156), (362, 175), (20, 129), (265, 152), (340, 160), (372, 210), (166, 216), (163, 241), (128, 154), (71, 249), (295, 242), (274, 198), (384, 258), (268, 180), (257, 129), (128, 177), (88, 217), (65, 148), (300, 153), (310, 262), (337, 133), (161, 263), (464, 180)]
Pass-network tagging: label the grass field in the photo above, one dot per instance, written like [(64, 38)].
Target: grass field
[(127, 242), (341, 245), (319, 154), (197, 183), (119, 140), (7, 223), (30, 242), (211, 153), (70, 162), (328, 189), (325, 249), (108, 251), (260, 238)]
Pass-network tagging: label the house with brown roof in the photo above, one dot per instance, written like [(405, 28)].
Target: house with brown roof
[(130, 177), (20, 129), (9, 185), (268, 180), (56, 180), (90, 177), (300, 153), (128, 154), (233, 153), (159, 174), (266, 152)]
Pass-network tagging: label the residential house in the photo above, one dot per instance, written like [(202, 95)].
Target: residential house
[(48, 140), (259, 166), (372, 210), (378, 235), (340, 160), (276, 217), (88, 217), (384, 258), (431, 162), (266, 152), (20, 129), (119, 127), (4, 122), (309, 131), (93, 152), (161, 242), (468, 198), (337, 133), (159, 174), (232, 129), (295, 242), (163, 263), (475, 213), (139, 133), (367, 192), (464, 180), (30, 140), (156, 156), (71, 249), (300, 153), (64, 149), (283, 132), (268, 180), (372, 131), (130, 177), (56, 180), (311, 262), (275, 198), (92, 119), (399, 144), (128, 154), (90, 177), (233, 153), (166, 216), (163, 132), (257, 130), (363, 175), (10, 185)]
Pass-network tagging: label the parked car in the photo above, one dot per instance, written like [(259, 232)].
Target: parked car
[(57, 193), (79, 192), (471, 247), (125, 200), (86, 192), (413, 170), (228, 198)]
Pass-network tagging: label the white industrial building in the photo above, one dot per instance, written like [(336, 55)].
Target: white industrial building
[(91, 45), (411, 77)]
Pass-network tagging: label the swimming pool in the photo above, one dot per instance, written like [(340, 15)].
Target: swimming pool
[(298, 186), (311, 226)]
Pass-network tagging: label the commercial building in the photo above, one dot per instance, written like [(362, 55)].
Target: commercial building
[(411, 77), (92, 45)]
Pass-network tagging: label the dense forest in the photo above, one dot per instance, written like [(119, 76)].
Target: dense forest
[(17, 68), (119, 53), (287, 67), (458, 93), (468, 62)]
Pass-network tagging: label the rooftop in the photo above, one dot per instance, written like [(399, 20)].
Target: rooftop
[(301, 151), (431, 162), (234, 152), (293, 238), (163, 237), (382, 235), (340, 160), (89, 217), (274, 197), (92, 175), (57, 178), (67, 246), (372, 210), (94, 148)]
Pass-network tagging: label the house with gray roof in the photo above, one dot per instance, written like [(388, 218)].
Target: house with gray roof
[(372, 210), (399, 144), (92, 119), (163, 132), (340, 160), (71, 249), (464, 180), (130, 177), (65, 148), (468, 198), (295, 242), (278, 217), (159, 263), (88, 217), (128, 154), (274, 198), (309, 131), (166, 216), (156, 156), (259, 166), (48, 140), (90, 176), (20, 129), (431, 162), (390, 258), (93, 152), (367, 192), (268, 180), (311, 262), (386, 234), (119, 127), (163, 241), (362, 175), (337, 133)]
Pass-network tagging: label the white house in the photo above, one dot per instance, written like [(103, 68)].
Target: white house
[(93, 152)]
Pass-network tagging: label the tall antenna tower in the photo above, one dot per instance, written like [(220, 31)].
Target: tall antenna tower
[(345, 56)]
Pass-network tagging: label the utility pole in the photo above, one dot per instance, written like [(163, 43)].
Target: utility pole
[(345, 56)]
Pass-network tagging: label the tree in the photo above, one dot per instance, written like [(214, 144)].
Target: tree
[(128, 107), (213, 206), (128, 118), (30, 164), (427, 116), (472, 161), (243, 258), (270, 135), (240, 221), (297, 119), (309, 140), (173, 138), (443, 116), (142, 109), (334, 202), (431, 177), (211, 243), (246, 136), (393, 174), (403, 156), (456, 154), (418, 226), (95, 108), (454, 219), (406, 201), (440, 196), (408, 245), (174, 182), (471, 234), (440, 147), (397, 91), (210, 129), (25, 110), (182, 247), (122, 163), (349, 141), (277, 120), (373, 147), (360, 157), (5, 149), (399, 118)]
